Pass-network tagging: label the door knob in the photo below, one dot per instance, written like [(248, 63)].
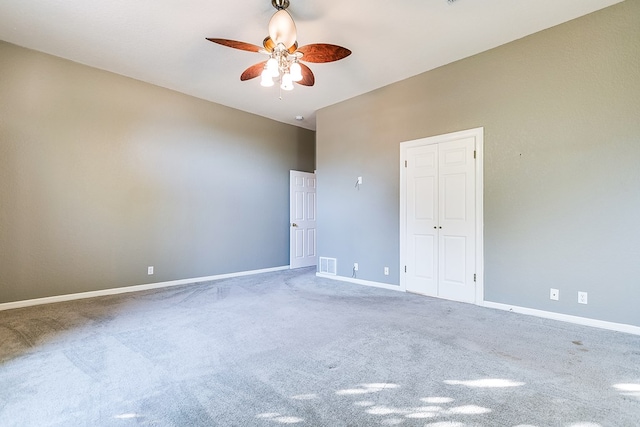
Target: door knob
[(294, 225)]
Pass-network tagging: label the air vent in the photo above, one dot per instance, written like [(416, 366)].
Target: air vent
[(328, 265)]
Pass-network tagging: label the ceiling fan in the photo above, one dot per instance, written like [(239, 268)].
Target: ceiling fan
[(284, 54)]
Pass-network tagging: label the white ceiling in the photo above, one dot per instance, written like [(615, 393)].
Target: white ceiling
[(163, 41)]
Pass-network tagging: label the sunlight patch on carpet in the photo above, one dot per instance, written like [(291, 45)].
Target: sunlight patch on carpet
[(126, 416), (446, 424), (437, 399), (381, 410), (486, 383), (275, 416), (367, 388), (629, 389)]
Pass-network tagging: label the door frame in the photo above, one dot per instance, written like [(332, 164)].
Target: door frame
[(478, 135)]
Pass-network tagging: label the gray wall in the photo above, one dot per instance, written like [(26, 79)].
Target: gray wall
[(561, 112), (102, 176)]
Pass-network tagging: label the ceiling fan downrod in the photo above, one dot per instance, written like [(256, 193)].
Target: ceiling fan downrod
[(280, 4)]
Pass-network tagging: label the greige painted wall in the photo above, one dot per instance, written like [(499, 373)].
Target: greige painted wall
[(561, 113), (102, 176)]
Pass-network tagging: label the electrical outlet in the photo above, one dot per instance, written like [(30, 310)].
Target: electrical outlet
[(150, 270), (554, 294), (582, 298), (355, 266), (386, 271)]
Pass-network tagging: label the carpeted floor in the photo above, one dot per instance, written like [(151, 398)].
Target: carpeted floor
[(289, 348)]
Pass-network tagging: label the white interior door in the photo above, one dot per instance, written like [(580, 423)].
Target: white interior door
[(439, 231), (302, 219), (422, 220), (456, 228)]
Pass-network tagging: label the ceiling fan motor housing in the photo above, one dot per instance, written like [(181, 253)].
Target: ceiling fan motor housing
[(280, 4)]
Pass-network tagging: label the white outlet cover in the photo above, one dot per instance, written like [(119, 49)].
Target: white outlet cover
[(150, 270), (582, 298), (554, 294), (386, 271)]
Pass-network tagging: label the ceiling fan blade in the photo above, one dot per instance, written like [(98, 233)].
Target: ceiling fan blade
[(253, 71), (308, 79), (236, 44), (323, 52)]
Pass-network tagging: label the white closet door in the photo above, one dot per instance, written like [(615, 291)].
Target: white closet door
[(456, 254), (440, 219), (422, 219)]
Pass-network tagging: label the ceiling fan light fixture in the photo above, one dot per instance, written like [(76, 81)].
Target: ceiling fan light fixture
[(272, 67), (282, 29), (267, 79), (296, 72), (287, 82)]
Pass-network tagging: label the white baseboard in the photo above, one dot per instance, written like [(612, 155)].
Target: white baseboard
[(360, 282), (585, 321), (134, 288)]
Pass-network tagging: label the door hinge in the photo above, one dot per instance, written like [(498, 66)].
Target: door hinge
[(405, 163), (405, 268), (474, 154), (474, 277)]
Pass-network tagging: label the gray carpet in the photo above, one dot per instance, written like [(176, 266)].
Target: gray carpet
[(288, 348)]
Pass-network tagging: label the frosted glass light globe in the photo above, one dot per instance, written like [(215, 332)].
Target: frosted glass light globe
[(282, 29)]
